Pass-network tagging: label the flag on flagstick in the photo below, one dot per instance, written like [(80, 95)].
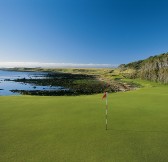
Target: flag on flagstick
[(105, 97)]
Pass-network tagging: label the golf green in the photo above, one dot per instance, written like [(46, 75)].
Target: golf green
[(65, 129)]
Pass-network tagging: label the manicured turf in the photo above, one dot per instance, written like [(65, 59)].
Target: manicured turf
[(58, 129)]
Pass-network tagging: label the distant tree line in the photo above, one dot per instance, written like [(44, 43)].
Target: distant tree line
[(155, 68)]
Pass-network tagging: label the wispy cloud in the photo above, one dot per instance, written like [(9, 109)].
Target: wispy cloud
[(52, 65)]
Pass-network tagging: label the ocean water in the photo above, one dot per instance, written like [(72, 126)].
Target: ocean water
[(6, 83)]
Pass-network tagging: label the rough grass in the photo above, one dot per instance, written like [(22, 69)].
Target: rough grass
[(65, 129)]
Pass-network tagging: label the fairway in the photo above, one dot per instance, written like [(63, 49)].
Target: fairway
[(65, 129)]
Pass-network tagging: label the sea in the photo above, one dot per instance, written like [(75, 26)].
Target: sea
[(7, 82)]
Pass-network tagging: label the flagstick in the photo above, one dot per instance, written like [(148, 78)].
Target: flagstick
[(106, 110)]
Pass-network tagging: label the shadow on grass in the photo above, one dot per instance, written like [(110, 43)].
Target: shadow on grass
[(136, 131)]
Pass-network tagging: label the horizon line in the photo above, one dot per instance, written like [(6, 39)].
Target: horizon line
[(53, 65)]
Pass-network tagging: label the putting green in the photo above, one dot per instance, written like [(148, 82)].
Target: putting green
[(50, 129)]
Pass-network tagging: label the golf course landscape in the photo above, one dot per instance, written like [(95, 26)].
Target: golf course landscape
[(72, 128), (83, 81)]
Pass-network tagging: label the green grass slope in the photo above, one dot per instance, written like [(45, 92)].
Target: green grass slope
[(65, 129)]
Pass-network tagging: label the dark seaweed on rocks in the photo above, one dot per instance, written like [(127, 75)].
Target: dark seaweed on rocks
[(73, 84), (77, 84)]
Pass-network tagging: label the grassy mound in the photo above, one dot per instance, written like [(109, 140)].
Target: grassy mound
[(49, 129)]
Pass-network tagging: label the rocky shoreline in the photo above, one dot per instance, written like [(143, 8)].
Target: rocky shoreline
[(73, 84)]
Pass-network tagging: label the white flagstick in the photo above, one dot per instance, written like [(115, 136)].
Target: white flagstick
[(106, 110)]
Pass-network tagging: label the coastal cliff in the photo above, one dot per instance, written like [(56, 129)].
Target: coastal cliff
[(154, 68)]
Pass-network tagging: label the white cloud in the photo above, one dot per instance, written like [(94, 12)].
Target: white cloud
[(52, 65)]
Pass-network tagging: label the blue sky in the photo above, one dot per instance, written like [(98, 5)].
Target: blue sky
[(82, 31)]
